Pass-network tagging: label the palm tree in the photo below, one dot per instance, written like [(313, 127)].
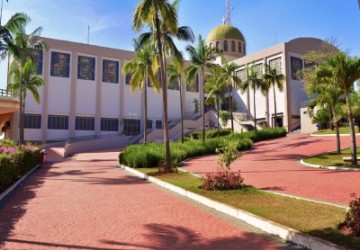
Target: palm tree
[(154, 13), (232, 80), (22, 49), (344, 71), (144, 66), (201, 57), (253, 82), (24, 77), (177, 72), (216, 87), (13, 26), (273, 78), (327, 95)]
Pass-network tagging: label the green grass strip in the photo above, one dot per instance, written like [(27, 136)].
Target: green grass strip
[(313, 218)]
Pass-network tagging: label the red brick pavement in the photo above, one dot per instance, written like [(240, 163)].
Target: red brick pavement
[(88, 203), (273, 165)]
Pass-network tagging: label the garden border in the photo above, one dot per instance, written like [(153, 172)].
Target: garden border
[(4, 195), (268, 226), (327, 167)]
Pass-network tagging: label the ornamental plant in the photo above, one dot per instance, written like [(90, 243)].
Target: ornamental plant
[(224, 179), (352, 220)]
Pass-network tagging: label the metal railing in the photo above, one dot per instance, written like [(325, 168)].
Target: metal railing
[(4, 92)]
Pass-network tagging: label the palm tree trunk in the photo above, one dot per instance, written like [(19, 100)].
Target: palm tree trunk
[(145, 110), (231, 109), (338, 146), (181, 113), (352, 133), (255, 113), (168, 167), (203, 103), (275, 111), (22, 113), (218, 116)]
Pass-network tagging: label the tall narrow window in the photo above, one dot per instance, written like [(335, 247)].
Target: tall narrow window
[(232, 46), (37, 56), (110, 71), (86, 68), (217, 45), (60, 64), (239, 47), (127, 79), (226, 48)]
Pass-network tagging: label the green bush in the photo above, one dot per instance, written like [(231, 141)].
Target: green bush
[(16, 162), (214, 132), (152, 154)]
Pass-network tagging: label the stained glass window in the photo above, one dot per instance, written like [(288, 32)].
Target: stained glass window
[(296, 64), (110, 71), (37, 56), (60, 64), (86, 68), (275, 64)]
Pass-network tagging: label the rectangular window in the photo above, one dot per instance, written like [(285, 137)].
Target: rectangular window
[(131, 127), (110, 71), (58, 122), (60, 64), (158, 124), (84, 123), (296, 65), (86, 68), (174, 85), (127, 79), (32, 121), (149, 124), (258, 68), (242, 74), (37, 56), (109, 124), (275, 64), (194, 87)]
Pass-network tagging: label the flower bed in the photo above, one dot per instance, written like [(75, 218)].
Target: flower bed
[(16, 161)]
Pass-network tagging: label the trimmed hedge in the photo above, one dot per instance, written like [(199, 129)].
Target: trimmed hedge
[(16, 161), (152, 154)]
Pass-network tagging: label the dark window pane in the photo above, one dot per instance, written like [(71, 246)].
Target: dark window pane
[(32, 121), (110, 71), (84, 123), (60, 64)]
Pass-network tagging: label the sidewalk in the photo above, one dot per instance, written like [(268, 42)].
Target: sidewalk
[(88, 203), (273, 165)]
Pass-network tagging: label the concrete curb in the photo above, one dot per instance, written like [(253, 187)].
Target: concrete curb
[(312, 134), (10, 189), (327, 167), (267, 226)]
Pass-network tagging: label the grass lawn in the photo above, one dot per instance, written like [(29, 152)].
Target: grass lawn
[(342, 130), (332, 159), (302, 215)]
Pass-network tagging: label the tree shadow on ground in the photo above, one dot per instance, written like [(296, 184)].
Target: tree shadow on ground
[(164, 237), (14, 207)]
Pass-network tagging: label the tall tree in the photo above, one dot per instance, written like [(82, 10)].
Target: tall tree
[(157, 13), (201, 57), (12, 27), (23, 49), (143, 67), (177, 72), (344, 72), (273, 79), (215, 87), (253, 82), (229, 72)]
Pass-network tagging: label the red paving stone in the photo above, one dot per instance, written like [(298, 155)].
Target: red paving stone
[(88, 203), (273, 165)]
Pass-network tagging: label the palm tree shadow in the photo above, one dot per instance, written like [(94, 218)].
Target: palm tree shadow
[(164, 237), (14, 206)]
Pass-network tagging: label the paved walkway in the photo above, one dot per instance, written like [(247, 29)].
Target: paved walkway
[(273, 165), (88, 203)]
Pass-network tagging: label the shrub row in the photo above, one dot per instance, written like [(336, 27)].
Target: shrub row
[(152, 154), (15, 162)]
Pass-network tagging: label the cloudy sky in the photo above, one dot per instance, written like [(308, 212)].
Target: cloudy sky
[(263, 22)]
